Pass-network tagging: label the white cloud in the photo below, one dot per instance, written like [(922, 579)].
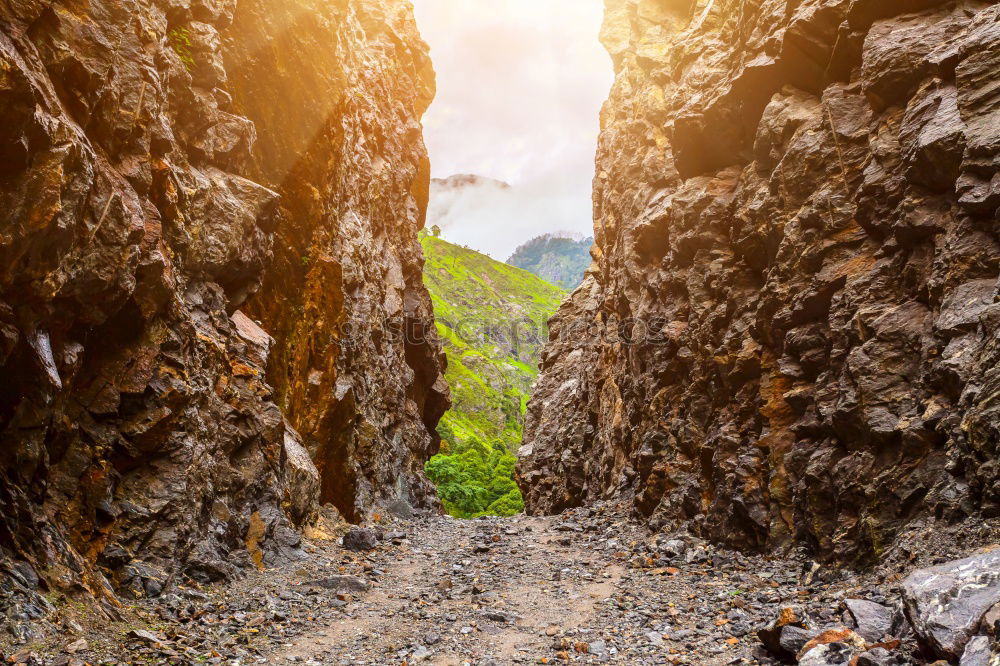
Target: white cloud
[(520, 87), (495, 220)]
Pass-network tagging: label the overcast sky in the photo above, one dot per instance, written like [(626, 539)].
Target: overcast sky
[(520, 87)]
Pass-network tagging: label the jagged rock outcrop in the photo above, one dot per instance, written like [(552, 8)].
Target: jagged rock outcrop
[(357, 367), (790, 330), (139, 438)]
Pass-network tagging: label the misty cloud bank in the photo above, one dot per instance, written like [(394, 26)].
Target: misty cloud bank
[(495, 218), (520, 87)]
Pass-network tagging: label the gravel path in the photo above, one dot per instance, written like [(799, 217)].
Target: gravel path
[(473, 592), (533, 590), (588, 586)]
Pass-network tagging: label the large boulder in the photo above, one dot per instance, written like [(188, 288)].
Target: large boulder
[(946, 603)]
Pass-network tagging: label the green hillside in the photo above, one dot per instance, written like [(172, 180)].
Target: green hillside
[(556, 259), (492, 318)]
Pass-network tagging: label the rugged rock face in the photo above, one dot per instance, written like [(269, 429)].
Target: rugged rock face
[(357, 367), (790, 330), (140, 439)]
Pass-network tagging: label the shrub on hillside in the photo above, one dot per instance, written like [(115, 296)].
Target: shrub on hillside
[(474, 480)]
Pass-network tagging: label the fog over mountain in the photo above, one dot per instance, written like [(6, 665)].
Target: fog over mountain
[(520, 86), (495, 217)]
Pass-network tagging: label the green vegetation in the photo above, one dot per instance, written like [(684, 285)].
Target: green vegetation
[(476, 480), (492, 319), (180, 42), (556, 259)]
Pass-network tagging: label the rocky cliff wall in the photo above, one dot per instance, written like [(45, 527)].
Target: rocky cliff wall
[(790, 330), (357, 368), (151, 155)]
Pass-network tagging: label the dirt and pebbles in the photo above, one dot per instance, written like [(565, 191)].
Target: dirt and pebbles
[(584, 587)]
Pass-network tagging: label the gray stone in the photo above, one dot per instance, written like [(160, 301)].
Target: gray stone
[(146, 636), (978, 652), (991, 622), (772, 634), (360, 538), (830, 654), (674, 548), (876, 657), (341, 583), (946, 603), (872, 621), (499, 616), (792, 638)]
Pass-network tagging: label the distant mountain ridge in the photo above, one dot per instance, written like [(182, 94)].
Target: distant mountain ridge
[(460, 180), (558, 258)]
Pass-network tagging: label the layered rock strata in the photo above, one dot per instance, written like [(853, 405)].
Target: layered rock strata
[(151, 156), (789, 333)]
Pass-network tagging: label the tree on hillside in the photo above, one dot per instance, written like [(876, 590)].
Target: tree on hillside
[(476, 480), (559, 260)]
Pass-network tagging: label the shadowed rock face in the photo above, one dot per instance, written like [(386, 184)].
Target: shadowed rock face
[(357, 368), (139, 203), (796, 207)]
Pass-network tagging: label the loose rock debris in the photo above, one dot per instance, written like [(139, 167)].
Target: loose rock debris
[(585, 587)]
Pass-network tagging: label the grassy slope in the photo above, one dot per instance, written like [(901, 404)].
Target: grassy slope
[(492, 318)]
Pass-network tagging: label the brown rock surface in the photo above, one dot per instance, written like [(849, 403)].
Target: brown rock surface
[(139, 439), (339, 137), (796, 208)]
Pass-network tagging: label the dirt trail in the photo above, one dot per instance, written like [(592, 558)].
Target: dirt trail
[(587, 587), (518, 590), (471, 590)]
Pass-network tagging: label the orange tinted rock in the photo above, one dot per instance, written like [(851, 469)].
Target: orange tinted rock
[(843, 635), (799, 272), (161, 336)]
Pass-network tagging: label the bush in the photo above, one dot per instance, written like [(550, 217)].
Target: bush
[(510, 504), (180, 42), (473, 479), (447, 437)]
